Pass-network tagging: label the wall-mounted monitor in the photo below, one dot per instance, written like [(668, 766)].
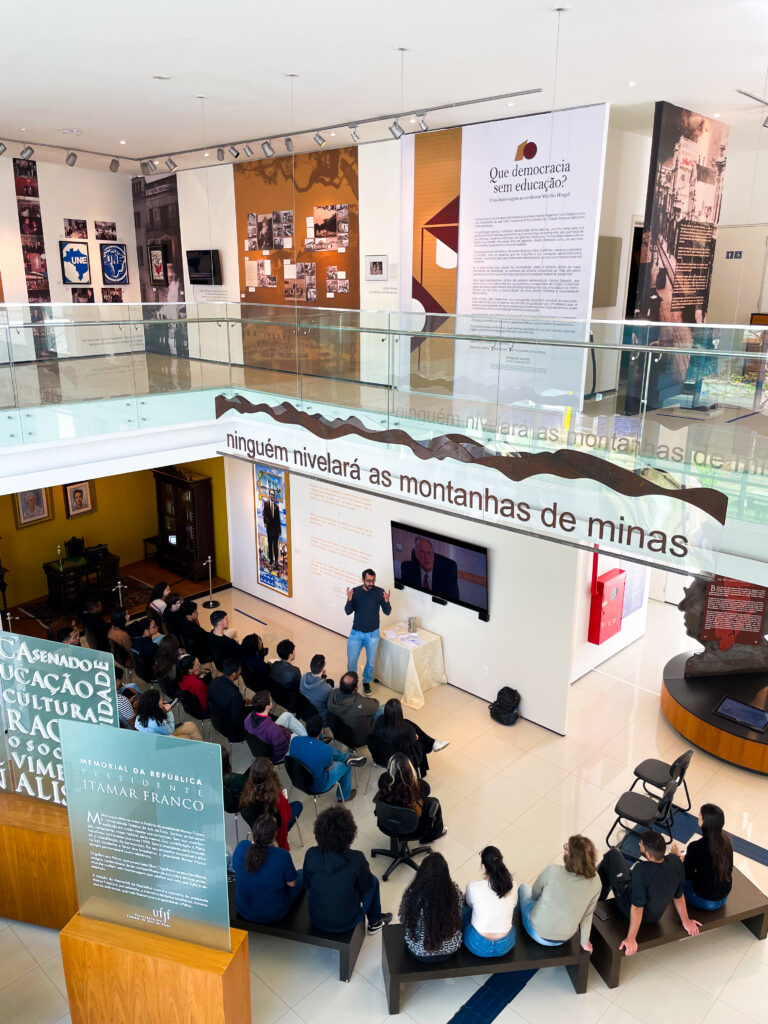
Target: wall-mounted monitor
[(448, 569), (204, 266)]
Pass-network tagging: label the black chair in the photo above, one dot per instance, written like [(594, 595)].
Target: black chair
[(658, 774), (302, 779), (647, 811), (283, 695), (193, 709), (259, 748), (380, 752), (342, 733), (305, 709), (399, 823), (122, 658)]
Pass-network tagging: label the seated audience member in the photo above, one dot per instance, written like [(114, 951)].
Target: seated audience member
[(278, 734), (191, 681), (226, 704), (233, 783), (63, 622), (153, 715), (143, 648), (315, 686), (262, 795), (157, 603), (118, 634), (253, 655), (353, 708), (342, 889), (94, 623), (708, 862), (327, 764), (194, 639), (563, 897), (489, 908), (127, 700), (284, 671), (430, 912), (405, 736), (172, 616), (400, 786), (154, 632), (266, 882), (69, 635), (223, 647), (166, 671), (645, 892)]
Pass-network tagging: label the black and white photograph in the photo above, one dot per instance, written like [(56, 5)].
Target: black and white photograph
[(263, 268), (80, 295), (342, 287), (75, 228), (111, 294), (265, 231), (376, 268), (79, 499), (253, 244), (106, 230), (309, 245), (312, 292), (253, 225), (33, 506), (306, 271)]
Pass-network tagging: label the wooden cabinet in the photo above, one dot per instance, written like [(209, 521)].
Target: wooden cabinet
[(184, 522)]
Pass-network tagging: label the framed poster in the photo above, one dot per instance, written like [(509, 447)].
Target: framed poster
[(75, 263), (114, 263), (79, 499), (33, 506), (158, 273), (376, 268), (273, 528)]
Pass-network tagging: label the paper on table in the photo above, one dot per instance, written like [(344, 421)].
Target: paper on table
[(389, 633)]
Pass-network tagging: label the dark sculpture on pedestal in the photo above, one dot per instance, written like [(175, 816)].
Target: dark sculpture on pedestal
[(713, 661)]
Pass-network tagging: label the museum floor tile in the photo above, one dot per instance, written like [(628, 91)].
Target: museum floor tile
[(524, 789)]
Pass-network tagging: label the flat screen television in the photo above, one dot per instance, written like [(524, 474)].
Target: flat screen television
[(204, 266), (450, 570)]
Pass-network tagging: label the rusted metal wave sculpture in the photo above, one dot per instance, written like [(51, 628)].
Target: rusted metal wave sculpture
[(564, 463)]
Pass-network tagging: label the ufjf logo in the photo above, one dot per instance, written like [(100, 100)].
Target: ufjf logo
[(526, 150)]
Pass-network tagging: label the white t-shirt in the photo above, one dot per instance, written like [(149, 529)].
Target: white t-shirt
[(490, 915)]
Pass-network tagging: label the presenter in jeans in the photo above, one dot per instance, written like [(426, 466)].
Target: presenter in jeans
[(365, 601)]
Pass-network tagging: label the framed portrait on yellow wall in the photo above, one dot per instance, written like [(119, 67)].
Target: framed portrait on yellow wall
[(32, 506), (79, 499)]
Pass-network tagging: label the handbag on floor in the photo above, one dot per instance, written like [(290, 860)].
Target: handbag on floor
[(506, 708)]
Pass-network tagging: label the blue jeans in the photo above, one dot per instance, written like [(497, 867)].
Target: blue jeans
[(526, 902), (339, 772), (356, 642), (698, 901), (478, 944)]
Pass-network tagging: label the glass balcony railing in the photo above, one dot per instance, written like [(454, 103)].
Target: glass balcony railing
[(680, 404)]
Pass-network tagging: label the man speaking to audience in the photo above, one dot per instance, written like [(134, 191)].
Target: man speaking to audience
[(365, 602), (436, 574)]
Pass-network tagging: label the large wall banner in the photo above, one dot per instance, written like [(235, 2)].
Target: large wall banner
[(146, 816), (273, 528)]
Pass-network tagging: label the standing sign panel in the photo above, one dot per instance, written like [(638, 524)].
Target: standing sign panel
[(146, 816), (44, 683)]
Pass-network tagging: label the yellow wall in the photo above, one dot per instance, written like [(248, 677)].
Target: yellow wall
[(125, 514)]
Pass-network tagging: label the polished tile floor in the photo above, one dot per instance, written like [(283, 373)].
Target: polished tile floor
[(524, 789)]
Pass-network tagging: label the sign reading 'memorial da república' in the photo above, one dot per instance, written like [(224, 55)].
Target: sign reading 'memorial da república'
[(41, 684)]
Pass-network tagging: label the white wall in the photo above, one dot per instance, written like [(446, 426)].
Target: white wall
[(737, 288), (11, 260), (745, 190), (526, 643)]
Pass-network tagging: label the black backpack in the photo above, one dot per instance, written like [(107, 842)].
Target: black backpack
[(506, 708)]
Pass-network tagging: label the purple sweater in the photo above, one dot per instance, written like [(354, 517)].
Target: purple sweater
[(275, 736)]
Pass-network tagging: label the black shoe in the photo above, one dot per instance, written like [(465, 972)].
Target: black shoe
[(384, 919), (356, 762), (366, 688)]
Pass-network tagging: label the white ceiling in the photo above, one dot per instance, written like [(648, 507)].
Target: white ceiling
[(90, 66)]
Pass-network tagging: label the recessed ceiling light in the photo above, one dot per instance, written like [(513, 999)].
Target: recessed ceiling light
[(206, 154), (510, 103), (631, 84), (715, 115), (162, 78), (71, 131), (413, 120), (122, 142), (23, 129), (333, 134)]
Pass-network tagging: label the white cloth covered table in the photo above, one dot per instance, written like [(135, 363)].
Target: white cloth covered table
[(410, 668)]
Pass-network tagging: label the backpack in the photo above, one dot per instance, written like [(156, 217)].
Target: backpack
[(506, 708)]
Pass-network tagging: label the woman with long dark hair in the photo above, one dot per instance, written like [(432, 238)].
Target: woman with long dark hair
[(266, 882), (400, 786), (193, 680), (166, 671), (430, 911), (489, 908), (406, 737), (708, 862), (262, 795), (153, 715)]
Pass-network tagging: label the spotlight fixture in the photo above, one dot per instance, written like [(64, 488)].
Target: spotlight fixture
[(423, 126), (146, 167), (26, 153), (396, 130), (114, 165), (354, 133), (71, 159), (171, 164), (219, 153), (3, 148), (247, 150), (234, 152), (288, 144), (765, 123), (268, 148), (319, 140)]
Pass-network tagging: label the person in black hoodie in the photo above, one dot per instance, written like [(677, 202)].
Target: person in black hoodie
[(341, 887)]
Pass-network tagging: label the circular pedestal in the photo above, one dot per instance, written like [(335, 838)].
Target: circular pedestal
[(689, 704)]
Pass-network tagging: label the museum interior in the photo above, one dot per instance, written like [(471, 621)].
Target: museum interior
[(400, 478)]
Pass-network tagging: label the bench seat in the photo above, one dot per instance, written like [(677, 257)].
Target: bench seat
[(746, 903), (399, 966)]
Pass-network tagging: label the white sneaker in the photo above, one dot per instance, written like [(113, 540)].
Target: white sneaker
[(440, 744)]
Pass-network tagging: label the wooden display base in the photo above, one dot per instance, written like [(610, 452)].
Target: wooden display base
[(119, 975), (688, 705), (38, 876)]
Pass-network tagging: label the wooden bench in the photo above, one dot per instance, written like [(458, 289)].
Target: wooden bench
[(746, 903), (399, 966), (297, 926)]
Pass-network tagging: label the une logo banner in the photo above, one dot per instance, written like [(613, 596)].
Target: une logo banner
[(75, 262), (114, 264)]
